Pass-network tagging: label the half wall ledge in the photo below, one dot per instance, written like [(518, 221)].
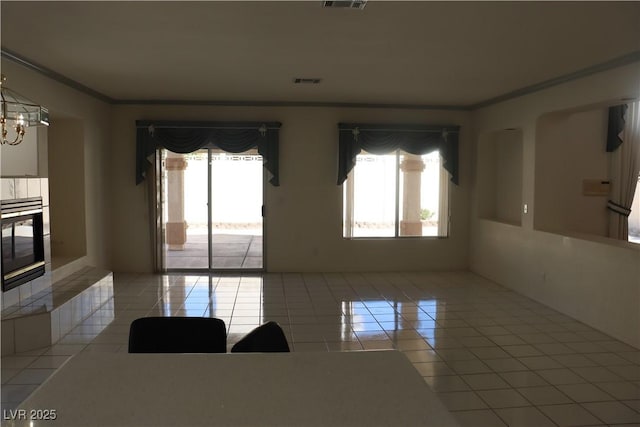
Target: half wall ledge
[(44, 318)]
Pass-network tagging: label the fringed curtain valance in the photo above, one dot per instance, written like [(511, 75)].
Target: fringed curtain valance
[(187, 137), (385, 139), (615, 126)]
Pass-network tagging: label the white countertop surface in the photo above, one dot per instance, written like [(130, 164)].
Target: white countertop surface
[(366, 388)]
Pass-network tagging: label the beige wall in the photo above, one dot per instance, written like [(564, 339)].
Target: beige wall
[(571, 147), (499, 176), (304, 214), (20, 160), (596, 281), (68, 225), (66, 103)]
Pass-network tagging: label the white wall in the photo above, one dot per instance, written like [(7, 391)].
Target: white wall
[(595, 281), (66, 103), (304, 214)]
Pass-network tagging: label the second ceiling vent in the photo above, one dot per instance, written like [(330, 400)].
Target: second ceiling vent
[(306, 80), (344, 4)]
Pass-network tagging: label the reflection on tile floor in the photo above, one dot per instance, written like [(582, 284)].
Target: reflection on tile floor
[(493, 356)]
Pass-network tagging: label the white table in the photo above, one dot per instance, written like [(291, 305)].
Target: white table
[(366, 388)]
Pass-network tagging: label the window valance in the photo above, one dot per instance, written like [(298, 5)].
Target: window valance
[(187, 137), (385, 139), (615, 126)]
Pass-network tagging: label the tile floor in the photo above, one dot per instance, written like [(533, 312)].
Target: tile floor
[(494, 357)]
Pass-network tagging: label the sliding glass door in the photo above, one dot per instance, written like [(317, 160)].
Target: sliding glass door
[(236, 210), (212, 210)]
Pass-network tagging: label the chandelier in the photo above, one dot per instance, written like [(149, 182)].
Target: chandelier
[(18, 113)]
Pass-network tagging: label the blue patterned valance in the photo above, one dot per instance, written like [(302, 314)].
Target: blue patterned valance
[(615, 126), (385, 139), (186, 137)]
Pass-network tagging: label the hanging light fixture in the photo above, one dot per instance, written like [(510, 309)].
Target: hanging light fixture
[(18, 113)]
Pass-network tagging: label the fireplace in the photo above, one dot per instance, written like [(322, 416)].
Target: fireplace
[(22, 241)]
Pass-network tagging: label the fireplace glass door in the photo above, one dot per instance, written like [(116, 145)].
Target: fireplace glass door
[(18, 243), (22, 242)]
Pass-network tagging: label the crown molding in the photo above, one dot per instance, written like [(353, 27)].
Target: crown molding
[(47, 72), (585, 72), (287, 104)]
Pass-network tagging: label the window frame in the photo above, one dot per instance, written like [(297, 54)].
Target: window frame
[(444, 202)]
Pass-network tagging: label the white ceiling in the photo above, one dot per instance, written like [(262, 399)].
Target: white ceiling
[(421, 53)]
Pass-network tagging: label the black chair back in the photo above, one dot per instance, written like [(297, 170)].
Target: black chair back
[(177, 335), (268, 337)]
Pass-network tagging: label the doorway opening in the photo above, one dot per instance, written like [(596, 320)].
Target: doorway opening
[(212, 210)]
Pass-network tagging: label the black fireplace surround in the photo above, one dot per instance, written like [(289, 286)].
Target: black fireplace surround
[(22, 241)]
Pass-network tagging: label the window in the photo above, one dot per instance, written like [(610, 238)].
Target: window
[(633, 136), (396, 195), (634, 217)]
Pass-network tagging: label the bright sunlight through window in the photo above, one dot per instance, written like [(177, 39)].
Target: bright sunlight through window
[(396, 195)]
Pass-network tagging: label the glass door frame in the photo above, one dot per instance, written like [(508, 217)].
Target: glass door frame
[(160, 221)]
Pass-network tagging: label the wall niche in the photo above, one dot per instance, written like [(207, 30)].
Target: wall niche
[(67, 191), (570, 149), (499, 176)]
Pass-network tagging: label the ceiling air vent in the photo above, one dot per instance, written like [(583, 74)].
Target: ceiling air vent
[(308, 81), (345, 4)]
